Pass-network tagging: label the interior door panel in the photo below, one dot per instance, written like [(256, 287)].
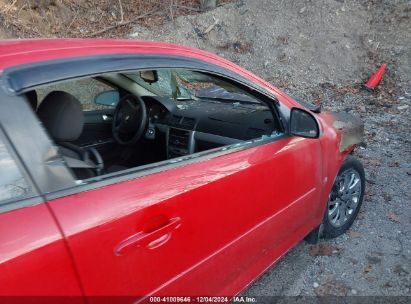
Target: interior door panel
[(97, 134), (97, 127)]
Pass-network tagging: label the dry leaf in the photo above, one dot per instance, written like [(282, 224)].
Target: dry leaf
[(393, 217), (374, 162), (332, 288), (368, 268), (354, 234), (360, 215), (242, 46), (324, 250), (394, 164)]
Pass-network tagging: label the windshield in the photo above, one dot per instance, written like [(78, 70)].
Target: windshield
[(186, 84)]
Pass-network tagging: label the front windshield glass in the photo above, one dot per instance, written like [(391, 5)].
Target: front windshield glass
[(186, 84)]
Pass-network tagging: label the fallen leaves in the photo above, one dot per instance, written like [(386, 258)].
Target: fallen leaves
[(354, 234), (332, 288), (368, 269), (360, 215), (242, 46), (373, 162), (393, 217), (324, 250), (394, 164), (84, 18), (282, 39)]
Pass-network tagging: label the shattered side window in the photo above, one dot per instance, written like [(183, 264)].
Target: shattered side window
[(12, 183)]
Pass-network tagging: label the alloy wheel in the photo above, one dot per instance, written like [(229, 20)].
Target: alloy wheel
[(344, 197)]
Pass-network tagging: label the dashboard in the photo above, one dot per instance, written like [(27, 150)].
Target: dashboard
[(193, 126)]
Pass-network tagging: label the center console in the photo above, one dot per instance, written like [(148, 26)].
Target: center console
[(180, 142)]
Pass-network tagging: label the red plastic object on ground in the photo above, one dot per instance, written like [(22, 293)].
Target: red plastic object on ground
[(375, 79)]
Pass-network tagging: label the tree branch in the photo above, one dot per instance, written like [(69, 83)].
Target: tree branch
[(121, 24)]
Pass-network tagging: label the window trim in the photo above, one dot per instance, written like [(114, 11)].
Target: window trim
[(31, 198), (20, 79)]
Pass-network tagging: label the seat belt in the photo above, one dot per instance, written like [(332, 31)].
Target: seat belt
[(77, 163), (85, 162)]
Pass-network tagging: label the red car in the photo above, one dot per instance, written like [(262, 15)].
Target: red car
[(147, 169)]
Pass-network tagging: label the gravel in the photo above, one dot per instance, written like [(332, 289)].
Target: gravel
[(375, 255), (322, 51)]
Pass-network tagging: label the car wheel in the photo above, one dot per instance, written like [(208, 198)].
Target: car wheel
[(345, 198)]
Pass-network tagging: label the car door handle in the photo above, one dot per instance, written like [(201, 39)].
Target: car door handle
[(150, 240)]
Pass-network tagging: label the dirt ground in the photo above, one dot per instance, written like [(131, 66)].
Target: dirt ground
[(322, 51)]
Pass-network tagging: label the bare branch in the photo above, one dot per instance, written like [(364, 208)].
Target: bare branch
[(121, 24), (211, 26), (189, 8), (121, 11)]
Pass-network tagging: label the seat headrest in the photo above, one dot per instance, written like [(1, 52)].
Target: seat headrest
[(62, 115)]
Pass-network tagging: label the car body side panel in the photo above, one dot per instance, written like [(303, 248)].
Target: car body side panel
[(234, 254), (335, 147), (235, 210), (34, 260)]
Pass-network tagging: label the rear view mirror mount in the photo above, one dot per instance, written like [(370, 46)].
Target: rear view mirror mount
[(150, 76)]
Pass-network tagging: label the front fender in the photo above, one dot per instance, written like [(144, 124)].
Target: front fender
[(341, 132)]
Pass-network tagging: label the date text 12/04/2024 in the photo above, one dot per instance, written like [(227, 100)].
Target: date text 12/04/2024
[(203, 299)]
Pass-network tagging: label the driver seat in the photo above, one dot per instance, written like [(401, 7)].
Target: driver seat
[(62, 115)]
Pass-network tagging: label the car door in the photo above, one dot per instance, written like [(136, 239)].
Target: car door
[(205, 228), (34, 260)]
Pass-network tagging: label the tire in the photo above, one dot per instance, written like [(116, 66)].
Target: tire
[(345, 199)]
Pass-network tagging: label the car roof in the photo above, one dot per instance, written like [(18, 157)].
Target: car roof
[(15, 52)]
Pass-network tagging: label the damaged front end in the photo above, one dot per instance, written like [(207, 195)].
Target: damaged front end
[(349, 127)]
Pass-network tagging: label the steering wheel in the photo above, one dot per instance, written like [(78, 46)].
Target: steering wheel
[(129, 120)]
